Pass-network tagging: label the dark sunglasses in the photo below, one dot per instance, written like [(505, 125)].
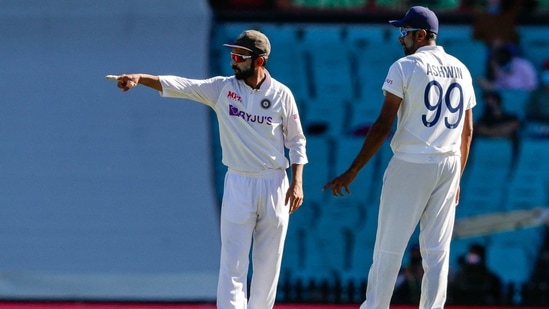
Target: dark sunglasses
[(238, 58)]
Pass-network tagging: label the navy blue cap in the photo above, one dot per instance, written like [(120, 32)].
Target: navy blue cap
[(418, 17)]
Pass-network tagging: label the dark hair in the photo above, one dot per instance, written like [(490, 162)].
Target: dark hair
[(479, 250), (431, 36)]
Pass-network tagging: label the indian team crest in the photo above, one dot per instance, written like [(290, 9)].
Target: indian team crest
[(265, 103)]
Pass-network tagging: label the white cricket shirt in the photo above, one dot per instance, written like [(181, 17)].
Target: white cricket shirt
[(255, 125), (436, 90)]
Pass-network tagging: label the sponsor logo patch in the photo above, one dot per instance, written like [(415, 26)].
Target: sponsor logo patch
[(234, 111), (234, 96)]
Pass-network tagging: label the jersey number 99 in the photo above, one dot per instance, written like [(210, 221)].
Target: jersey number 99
[(438, 105)]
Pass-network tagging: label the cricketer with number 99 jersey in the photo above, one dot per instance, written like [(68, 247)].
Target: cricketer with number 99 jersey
[(437, 88)]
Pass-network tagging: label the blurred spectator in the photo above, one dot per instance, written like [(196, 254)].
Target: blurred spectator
[(509, 71), (474, 283), (408, 283), (496, 22), (536, 290), (537, 108), (495, 122)]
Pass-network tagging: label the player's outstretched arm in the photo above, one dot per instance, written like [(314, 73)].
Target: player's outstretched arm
[(128, 81)]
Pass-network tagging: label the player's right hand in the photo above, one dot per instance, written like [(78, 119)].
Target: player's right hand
[(341, 181), (127, 81)]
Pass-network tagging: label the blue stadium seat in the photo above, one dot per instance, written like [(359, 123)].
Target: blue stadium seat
[(366, 234), (346, 150), (363, 113), (227, 32), (371, 67), (514, 101), (311, 265), (288, 67), (303, 222), (479, 196), (535, 47), (363, 247), (327, 60), (334, 234), (517, 238), (297, 246), (281, 36), (490, 158), (361, 260), (327, 116), (325, 250), (526, 193), (529, 163), (294, 255), (319, 169), (315, 34), (511, 264), (367, 36), (485, 178), (341, 213), (330, 71)]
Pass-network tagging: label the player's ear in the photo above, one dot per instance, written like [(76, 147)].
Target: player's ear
[(421, 35), (260, 61)]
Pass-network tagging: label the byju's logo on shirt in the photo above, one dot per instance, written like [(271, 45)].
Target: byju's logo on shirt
[(234, 111)]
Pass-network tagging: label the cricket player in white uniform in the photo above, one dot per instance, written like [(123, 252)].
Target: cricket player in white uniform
[(258, 119), (431, 93)]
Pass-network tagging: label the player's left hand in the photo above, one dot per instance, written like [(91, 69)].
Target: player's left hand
[(294, 196), (341, 181)]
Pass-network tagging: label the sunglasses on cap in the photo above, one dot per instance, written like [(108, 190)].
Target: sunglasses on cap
[(404, 31), (238, 58)]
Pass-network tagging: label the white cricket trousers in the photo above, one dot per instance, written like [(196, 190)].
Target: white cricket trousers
[(252, 208), (412, 193)]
